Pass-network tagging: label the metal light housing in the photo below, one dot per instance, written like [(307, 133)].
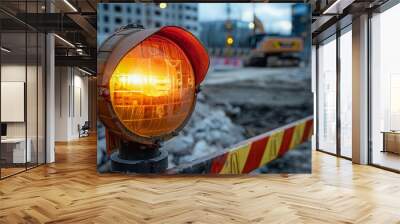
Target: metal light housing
[(148, 81)]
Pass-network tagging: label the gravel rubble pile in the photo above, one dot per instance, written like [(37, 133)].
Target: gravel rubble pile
[(209, 130)]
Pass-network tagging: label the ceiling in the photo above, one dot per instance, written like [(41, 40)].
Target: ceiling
[(72, 20)]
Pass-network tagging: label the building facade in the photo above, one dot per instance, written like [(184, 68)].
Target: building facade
[(240, 32), (150, 15)]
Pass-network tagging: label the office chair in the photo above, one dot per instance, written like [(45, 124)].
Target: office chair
[(84, 130)]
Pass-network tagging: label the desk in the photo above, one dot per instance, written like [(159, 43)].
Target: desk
[(391, 141), (13, 150)]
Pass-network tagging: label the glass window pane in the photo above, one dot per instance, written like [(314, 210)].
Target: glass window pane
[(41, 98), (385, 89), (31, 97), (13, 86), (327, 96), (346, 94), (23, 87)]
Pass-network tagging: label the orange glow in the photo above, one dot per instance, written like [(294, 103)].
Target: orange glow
[(152, 88)]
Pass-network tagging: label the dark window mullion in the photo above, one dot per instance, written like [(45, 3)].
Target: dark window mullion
[(37, 91), (317, 96), (44, 72), (26, 86), (369, 96), (338, 77)]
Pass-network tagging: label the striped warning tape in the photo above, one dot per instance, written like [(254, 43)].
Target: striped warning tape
[(252, 153)]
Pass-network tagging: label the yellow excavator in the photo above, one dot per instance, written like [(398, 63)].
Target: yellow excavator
[(270, 50)]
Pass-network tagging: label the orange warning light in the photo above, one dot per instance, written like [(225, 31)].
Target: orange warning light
[(152, 89), (148, 81)]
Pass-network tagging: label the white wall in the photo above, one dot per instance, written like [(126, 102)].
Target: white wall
[(61, 103), (82, 82), (71, 93), (79, 115), (12, 73)]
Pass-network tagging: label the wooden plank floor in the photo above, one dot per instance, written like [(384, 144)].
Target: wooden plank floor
[(70, 191)]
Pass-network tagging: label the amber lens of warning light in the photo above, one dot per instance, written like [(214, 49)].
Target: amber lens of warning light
[(153, 87)]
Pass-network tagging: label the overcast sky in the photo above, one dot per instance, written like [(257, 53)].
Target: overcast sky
[(275, 16)]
